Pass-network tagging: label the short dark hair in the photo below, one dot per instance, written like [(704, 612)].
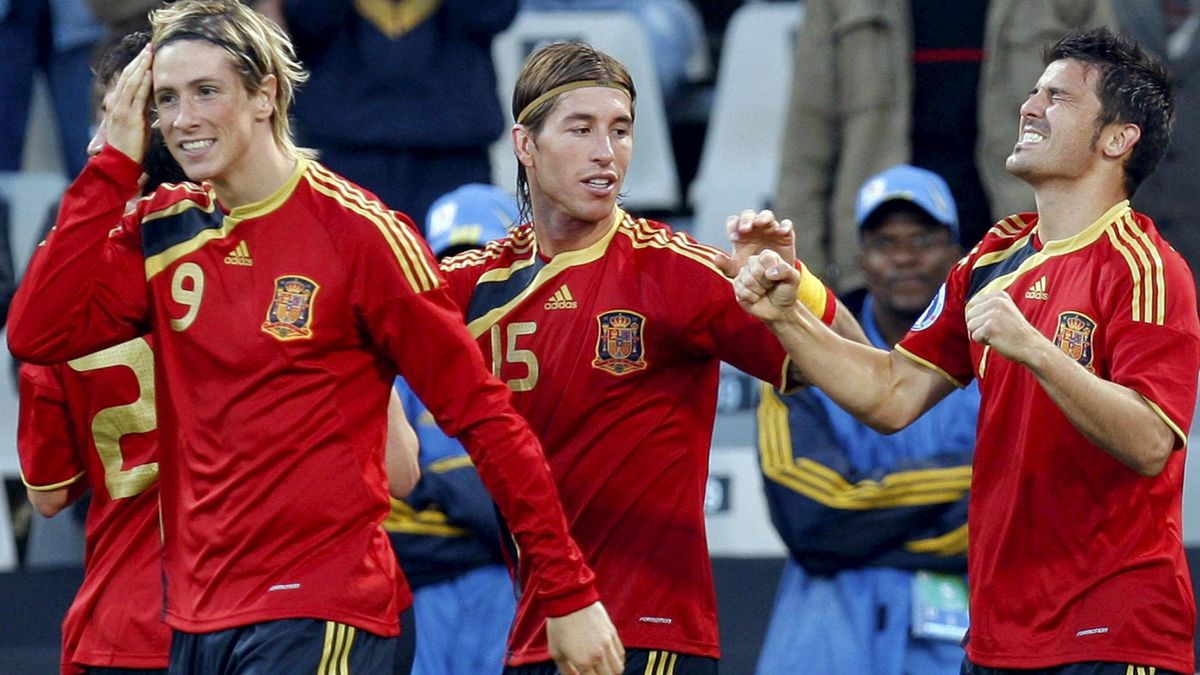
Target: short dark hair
[(1133, 88), (111, 61), (158, 164)]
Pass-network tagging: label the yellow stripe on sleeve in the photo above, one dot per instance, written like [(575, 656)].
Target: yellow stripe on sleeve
[(951, 543)]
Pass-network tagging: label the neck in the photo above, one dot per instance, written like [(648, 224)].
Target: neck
[(558, 232), (264, 169), (1066, 209)]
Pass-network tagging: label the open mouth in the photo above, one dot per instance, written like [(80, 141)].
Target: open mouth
[(599, 183), (196, 146)]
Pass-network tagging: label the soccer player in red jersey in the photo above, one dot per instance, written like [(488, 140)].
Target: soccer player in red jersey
[(610, 330), (1079, 322), (90, 425), (283, 300)]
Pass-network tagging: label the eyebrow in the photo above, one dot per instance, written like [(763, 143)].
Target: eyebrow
[(191, 83), (589, 117)]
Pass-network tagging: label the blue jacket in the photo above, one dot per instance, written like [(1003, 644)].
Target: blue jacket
[(844, 496), (860, 512), (448, 525)]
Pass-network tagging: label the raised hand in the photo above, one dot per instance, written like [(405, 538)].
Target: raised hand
[(128, 120), (753, 232), (585, 642), (766, 286)]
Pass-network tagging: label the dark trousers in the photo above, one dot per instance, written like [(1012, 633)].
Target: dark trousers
[(1084, 668), (284, 646), (638, 662)]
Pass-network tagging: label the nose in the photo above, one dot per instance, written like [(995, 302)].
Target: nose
[(98, 139), (183, 114), (602, 150), (1034, 105)]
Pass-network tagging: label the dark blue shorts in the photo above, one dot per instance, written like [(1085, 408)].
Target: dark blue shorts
[(639, 662), (1083, 668), (285, 646)]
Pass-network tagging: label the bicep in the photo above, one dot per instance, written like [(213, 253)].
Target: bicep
[(916, 387)]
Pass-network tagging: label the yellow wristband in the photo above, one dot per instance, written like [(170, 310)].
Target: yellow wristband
[(811, 292)]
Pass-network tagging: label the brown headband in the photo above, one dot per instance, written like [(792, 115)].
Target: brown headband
[(564, 88)]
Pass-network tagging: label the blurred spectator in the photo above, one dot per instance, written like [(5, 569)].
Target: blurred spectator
[(55, 37), (675, 29), (876, 525), (122, 17), (445, 533), (1171, 30), (402, 97), (881, 82)]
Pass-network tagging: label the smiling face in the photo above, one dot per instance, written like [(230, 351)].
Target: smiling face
[(212, 126), (577, 162), (1057, 135)]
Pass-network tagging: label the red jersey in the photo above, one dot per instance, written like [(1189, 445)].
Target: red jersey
[(281, 325), (613, 355), (93, 419), (1073, 556)]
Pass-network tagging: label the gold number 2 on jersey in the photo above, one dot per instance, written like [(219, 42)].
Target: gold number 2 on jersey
[(110, 424)]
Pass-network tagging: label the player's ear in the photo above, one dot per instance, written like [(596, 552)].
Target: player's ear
[(523, 144), (264, 98), (1119, 139)]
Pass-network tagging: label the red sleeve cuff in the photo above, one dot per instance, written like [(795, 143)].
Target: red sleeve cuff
[(831, 305), (570, 602)]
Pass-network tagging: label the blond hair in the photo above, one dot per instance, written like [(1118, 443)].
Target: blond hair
[(257, 46)]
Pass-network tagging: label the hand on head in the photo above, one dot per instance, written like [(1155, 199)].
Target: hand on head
[(128, 118)]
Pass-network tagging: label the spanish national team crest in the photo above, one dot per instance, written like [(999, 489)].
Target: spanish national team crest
[(290, 315), (619, 345), (1074, 337)]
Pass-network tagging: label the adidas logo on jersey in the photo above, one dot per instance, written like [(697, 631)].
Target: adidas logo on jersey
[(1038, 290), (561, 299), (240, 255)]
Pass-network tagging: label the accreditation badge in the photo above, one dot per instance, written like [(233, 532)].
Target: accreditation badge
[(939, 606)]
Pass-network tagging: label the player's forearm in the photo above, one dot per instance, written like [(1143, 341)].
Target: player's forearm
[(55, 313), (401, 452), (49, 503), (861, 379), (846, 325), (1113, 417), (446, 371)]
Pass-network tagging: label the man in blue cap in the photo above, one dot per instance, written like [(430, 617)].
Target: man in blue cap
[(445, 532), (875, 525)]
